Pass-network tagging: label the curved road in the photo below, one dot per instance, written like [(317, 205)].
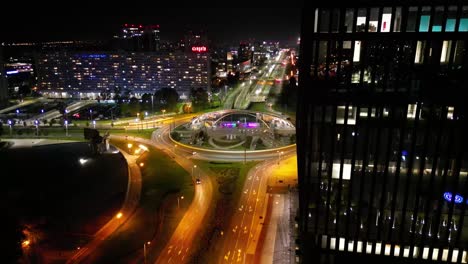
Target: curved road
[(132, 199), (181, 245)]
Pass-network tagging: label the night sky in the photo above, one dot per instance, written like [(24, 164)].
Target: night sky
[(228, 25)]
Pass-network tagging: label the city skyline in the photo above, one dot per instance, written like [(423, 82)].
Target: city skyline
[(222, 25)]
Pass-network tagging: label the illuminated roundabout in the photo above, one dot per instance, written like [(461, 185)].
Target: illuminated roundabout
[(236, 134)]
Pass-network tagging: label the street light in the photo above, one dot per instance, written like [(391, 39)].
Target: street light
[(194, 167), (178, 202), (94, 124), (36, 122), (66, 127), (144, 249), (163, 111), (152, 104), (279, 155), (10, 123), (91, 114)]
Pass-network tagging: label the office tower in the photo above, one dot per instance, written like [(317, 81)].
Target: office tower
[(381, 132)]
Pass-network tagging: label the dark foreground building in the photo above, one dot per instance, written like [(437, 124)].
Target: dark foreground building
[(381, 132)]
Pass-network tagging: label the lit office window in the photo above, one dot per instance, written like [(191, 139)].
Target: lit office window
[(451, 19), (463, 27), (348, 23), (445, 53), (386, 19), (419, 56), (425, 19), (373, 19), (438, 19), (361, 20), (411, 23), (357, 51)]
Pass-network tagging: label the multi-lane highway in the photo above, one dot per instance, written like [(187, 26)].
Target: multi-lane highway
[(241, 240), (258, 87)]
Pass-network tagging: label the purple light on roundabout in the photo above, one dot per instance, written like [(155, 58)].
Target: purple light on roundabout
[(252, 125)]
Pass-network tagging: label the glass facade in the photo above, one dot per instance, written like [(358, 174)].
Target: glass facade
[(326, 17), (381, 127)]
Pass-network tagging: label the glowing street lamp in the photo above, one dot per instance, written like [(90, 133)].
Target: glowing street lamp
[(163, 111), (94, 124), (144, 249), (178, 202), (279, 155), (66, 128), (36, 122), (194, 167), (10, 124), (119, 215)]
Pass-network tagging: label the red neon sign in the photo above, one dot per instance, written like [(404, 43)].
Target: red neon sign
[(199, 49)]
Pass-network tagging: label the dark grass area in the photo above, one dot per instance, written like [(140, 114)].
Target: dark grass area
[(49, 188), (157, 217)]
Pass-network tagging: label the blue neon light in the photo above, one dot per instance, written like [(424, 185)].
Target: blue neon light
[(448, 197), (11, 72), (92, 56)]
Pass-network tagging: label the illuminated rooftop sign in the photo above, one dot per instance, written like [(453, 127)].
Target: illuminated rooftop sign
[(199, 49)]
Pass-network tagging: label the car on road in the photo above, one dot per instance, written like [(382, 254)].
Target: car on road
[(198, 181)]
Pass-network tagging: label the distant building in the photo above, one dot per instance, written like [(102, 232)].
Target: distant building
[(194, 39), (3, 80), (137, 37), (381, 132), (86, 75), (245, 52), (20, 76)]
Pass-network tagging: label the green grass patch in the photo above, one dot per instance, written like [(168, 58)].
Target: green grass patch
[(258, 107), (162, 180), (145, 133)]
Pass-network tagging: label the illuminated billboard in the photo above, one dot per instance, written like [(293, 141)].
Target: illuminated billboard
[(199, 49)]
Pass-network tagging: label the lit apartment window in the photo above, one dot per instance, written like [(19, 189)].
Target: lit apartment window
[(411, 114), (411, 22), (419, 56), (445, 53), (357, 51), (373, 19), (361, 20), (450, 112), (386, 19)]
